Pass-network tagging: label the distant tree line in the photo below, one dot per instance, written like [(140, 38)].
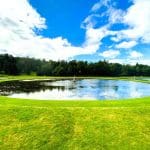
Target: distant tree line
[(15, 66)]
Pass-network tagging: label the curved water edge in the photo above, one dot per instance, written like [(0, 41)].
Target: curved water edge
[(80, 89)]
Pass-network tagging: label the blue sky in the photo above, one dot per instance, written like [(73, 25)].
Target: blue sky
[(64, 17), (92, 30)]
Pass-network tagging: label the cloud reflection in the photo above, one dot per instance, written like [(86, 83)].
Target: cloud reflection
[(86, 89)]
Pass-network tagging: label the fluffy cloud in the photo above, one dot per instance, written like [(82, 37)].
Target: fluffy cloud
[(90, 21), (99, 4), (137, 18), (126, 45), (111, 54), (18, 23), (133, 58), (130, 61), (135, 54), (96, 6), (18, 36), (94, 37)]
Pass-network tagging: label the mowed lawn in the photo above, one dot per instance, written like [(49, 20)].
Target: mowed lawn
[(75, 125)]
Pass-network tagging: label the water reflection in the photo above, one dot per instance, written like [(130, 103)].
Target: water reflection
[(80, 89)]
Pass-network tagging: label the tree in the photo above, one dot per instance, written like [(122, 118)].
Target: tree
[(16, 65)]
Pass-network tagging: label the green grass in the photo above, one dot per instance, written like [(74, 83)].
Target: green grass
[(74, 125), (29, 124)]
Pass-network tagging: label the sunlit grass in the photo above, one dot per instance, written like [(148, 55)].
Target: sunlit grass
[(30, 124)]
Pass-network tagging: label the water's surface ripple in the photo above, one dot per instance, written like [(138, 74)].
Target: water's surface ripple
[(78, 90)]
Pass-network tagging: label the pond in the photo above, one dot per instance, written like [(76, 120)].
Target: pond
[(83, 89)]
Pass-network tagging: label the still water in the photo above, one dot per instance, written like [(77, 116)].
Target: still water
[(84, 89)]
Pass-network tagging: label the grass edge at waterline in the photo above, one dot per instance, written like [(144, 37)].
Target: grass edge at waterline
[(77, 103)]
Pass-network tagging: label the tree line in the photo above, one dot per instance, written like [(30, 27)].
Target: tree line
[(17, 65)]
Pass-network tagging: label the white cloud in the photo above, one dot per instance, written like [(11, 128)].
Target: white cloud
[(126, 45), (130, 61), (135, 54), (110, 54), (115, 15), (18, 22), (94, 37), (99, 4), (90, 21), (138, 19), (96, 6), (133, 58)]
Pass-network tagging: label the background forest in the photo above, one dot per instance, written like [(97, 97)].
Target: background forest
[(17, 65)]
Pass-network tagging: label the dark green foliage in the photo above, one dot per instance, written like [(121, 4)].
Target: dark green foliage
[(8, 65), (15, 65)]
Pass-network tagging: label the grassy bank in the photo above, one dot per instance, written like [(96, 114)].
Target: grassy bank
[(29, 77), (74, 125), (28, 124)]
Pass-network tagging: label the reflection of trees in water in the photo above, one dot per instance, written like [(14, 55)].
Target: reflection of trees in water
[(9, 87), (115, 88)]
